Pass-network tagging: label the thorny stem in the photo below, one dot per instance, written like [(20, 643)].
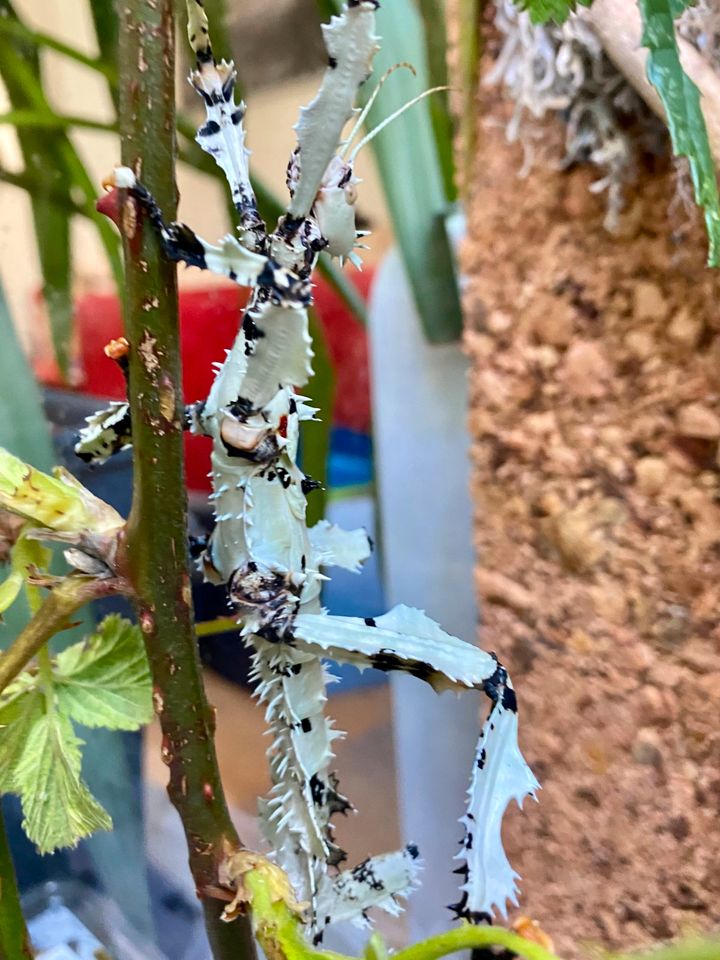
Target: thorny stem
[(14, 939), (157, 559), (51, 617)]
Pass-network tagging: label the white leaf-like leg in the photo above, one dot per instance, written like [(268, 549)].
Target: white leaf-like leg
[(500, 775), (334, 547), (405, 639), (228, 258), (282, 351), (376, 882), (107, 432)]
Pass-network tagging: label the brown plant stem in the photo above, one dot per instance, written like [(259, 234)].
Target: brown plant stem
[(14, 939), (157, 556), (60, 604)]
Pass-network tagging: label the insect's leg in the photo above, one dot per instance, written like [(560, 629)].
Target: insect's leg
[(500, 774), (223, 134), (406, 640), (108, 431), (228, 258), (376, 882)]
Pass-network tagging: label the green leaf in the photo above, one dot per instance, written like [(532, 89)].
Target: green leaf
[(118, 856), (18, 717), (57, 806), (25, 553), (541, 11), (105, 682), (106, 23), (51, 157), (59, 502), (681, 100), (411, 173), (27, 436), (315, 450), (53, 121), (327, 9), (436, 46)]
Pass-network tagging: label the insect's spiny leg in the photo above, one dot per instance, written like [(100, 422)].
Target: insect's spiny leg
[(223, 134), (500, 774)]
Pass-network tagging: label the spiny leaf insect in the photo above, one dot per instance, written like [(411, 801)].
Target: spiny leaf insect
[(261, 548)]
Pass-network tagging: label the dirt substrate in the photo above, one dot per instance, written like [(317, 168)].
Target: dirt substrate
[(595, 418)]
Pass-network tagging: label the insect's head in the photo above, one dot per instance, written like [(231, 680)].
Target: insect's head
[(334, 208)]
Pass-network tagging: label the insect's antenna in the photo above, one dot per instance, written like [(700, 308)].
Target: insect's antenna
[(393, 116), (368, 106)]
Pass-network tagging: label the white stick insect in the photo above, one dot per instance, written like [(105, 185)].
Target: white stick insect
[(261, 547)]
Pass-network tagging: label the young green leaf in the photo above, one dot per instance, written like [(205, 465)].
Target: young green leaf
[(105, 682), (18, 717), (681, 100), (542, 11), (57, 806), (25, 553), (60, 502)]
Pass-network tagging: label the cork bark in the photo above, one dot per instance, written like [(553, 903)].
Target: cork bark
[(595, 417)]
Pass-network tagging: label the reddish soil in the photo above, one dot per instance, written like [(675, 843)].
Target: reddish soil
[(595, 418)]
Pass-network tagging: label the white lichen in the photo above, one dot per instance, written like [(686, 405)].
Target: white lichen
[(562, 70)]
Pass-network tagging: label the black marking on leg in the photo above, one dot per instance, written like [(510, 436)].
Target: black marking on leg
[(284, 477), (198, 545), (460, 909), (209, 129), (370, 622), (318, 790), (242, 409), (251, 330), (387, 660), (494, 684), (307, 485), (306, 725), (180, 243), (364, 873), (336, 802), (509, 700), (336, 855)]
